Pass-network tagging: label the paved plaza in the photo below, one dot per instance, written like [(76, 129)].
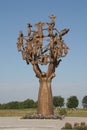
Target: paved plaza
[(16, 123)]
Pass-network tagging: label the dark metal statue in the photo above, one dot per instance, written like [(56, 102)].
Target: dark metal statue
[(43, 46)]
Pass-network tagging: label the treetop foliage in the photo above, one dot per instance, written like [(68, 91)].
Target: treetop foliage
[(84, 102), (72, 102), (58, 101), (29, 103)]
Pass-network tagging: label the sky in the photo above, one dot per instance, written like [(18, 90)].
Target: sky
[(17, 79)]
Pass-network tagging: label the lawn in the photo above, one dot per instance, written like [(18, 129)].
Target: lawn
[(16, 112), (22, 112), (77, 113)]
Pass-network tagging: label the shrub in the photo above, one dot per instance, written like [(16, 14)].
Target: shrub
[(80, 126), (67, 126), (77, 126), (62, 111)]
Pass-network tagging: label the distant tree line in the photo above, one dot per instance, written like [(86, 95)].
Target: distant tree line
[(58, 101), (29, 103)]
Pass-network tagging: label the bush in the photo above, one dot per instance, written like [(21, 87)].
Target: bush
[(77, 126), (62, 111), (67, 126), (80, 126)]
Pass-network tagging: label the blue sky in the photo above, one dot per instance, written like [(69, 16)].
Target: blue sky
[(17, 79)]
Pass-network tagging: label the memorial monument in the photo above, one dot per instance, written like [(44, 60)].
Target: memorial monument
[(43, 46)]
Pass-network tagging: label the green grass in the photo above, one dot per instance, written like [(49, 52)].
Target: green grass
[(16, 112), (77, 113), (22, 112), (74, 112)]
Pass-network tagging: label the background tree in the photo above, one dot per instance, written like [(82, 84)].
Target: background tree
[(72, 102), (28, 103), (58, 101), (84, 102)]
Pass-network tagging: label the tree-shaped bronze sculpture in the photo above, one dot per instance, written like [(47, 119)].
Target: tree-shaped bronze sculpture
[(43, 46)]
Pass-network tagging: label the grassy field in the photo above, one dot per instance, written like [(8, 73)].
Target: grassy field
[(22, 112), (77, 113), (16, 112)]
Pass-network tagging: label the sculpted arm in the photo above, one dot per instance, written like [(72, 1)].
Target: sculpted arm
[(51, 69), (37, 70)]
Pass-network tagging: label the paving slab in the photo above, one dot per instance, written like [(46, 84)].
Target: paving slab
[(16, 123)]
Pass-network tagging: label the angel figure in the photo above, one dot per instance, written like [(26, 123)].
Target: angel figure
[(40, 28), (29, 29)]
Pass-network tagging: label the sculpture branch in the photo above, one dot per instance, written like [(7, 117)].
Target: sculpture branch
[(37, 70), (51, 69)]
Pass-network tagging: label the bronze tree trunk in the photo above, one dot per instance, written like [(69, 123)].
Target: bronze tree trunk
[(45, 101)]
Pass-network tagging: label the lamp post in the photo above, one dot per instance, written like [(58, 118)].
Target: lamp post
[(44, 46)]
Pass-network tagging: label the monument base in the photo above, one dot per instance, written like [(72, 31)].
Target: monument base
[(40, 116)]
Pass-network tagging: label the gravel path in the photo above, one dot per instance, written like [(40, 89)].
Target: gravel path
[(15, 123)]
